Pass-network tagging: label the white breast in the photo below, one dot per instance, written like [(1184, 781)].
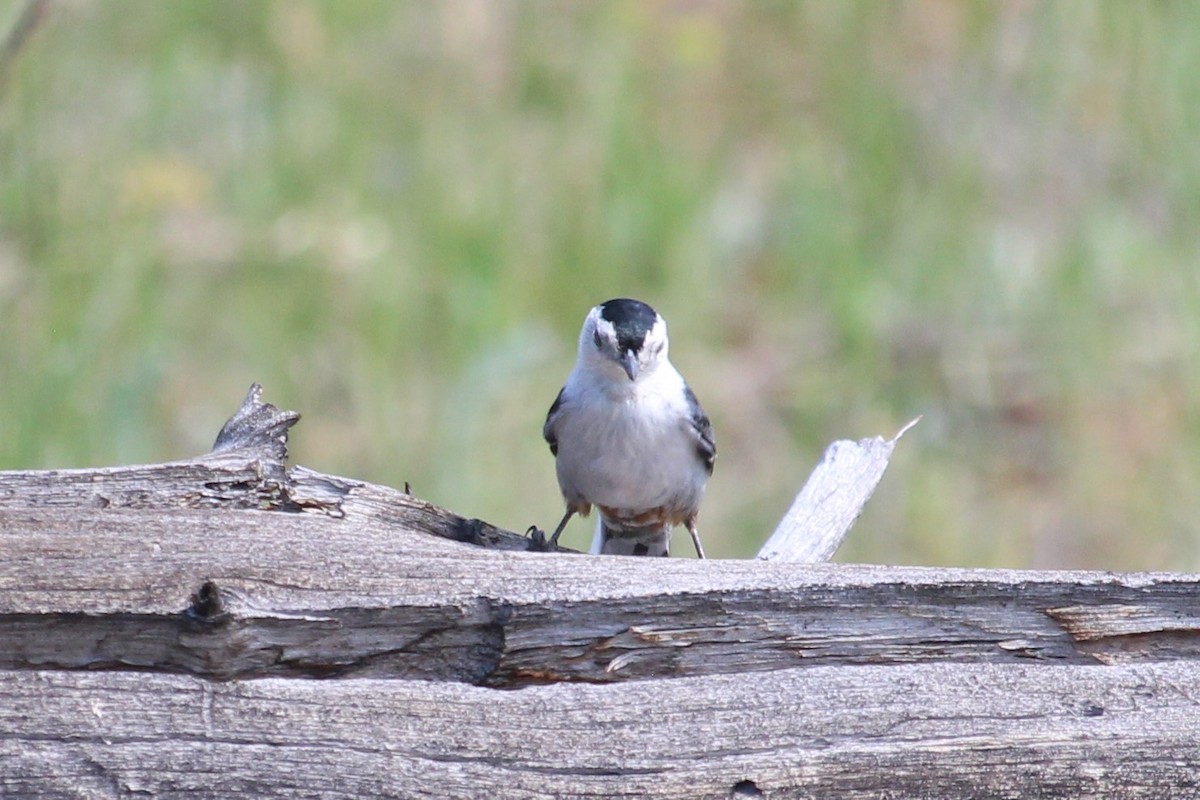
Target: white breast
[(630, 448)]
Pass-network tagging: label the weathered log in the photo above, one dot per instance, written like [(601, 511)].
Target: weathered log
[(918, 730), (831, 501), (157, 624), (250, 593), (247, 470)]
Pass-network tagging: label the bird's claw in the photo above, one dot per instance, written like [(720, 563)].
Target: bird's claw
[(538, 541)]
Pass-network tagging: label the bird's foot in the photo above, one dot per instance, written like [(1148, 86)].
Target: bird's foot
[(538, 542)]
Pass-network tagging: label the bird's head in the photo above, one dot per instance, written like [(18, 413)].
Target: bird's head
[(623, 338)]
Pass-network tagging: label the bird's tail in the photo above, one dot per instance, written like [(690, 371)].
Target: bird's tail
[(651, 540)]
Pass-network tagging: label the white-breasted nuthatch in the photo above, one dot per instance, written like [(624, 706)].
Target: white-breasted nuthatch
[(628, 434)]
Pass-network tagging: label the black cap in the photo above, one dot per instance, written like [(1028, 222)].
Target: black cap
[(631, 319)]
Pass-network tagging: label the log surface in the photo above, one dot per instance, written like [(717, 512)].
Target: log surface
[(251, 594), (917, 730), (831, 500), (228, 626)]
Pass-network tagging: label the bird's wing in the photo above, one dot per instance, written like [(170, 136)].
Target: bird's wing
[(698, 425), (548, 431)]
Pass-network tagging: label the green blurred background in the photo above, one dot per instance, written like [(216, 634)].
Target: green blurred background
[(395, 215)]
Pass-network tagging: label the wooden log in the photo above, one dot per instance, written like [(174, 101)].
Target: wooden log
[(231, 626), (831, 501), (916, 730), (249, 593), (247, 470)]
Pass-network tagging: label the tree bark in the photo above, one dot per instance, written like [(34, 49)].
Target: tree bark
[(915, 730), (229, 626)]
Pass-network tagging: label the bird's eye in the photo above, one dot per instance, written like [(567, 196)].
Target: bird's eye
[(596, 339)]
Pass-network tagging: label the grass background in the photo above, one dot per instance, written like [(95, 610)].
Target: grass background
[(395, 215)]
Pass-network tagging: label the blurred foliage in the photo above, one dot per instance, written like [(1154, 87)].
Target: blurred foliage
[(396, 214)]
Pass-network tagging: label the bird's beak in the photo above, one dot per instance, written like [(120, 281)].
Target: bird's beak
[(630, 363)]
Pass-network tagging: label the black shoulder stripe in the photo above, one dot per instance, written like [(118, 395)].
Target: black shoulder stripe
[(548, 432), (701, 427)]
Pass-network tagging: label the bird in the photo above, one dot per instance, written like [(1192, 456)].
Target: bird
[(628, 435)]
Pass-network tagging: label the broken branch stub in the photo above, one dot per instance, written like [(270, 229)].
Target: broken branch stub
[(257, 427), (831, 501)]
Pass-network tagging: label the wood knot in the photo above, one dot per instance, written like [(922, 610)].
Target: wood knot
[(206, 602), (745, 789)]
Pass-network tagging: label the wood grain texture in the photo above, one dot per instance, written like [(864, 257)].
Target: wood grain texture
[(930, 730), (831, 500), (228, 626), (247, 470), (307, 594)]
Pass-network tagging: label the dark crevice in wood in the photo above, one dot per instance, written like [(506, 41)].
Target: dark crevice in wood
[(206, 604), (225, 647), (225, 634)]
